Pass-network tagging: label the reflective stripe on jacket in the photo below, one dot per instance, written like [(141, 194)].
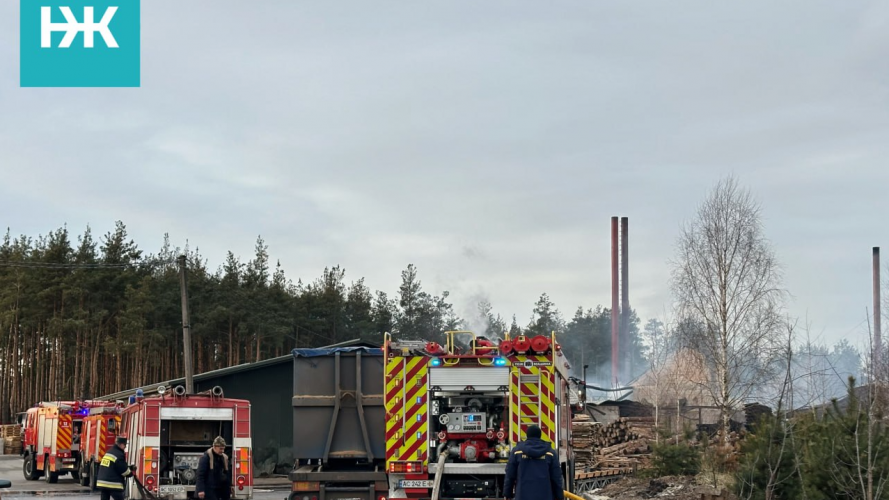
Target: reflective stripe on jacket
[(113, 470)]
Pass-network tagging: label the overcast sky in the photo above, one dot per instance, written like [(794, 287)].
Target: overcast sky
[(489, 143)]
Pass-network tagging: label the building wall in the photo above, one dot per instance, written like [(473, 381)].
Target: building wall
[(268, 389)]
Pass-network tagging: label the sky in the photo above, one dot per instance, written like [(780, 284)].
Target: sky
[(488, 143)]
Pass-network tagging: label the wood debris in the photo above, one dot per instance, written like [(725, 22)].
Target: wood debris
[(620, 445)]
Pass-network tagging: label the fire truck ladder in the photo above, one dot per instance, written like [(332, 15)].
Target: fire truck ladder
[(529, 398)]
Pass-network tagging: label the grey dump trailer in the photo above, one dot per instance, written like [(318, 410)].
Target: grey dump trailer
[(338, 425)]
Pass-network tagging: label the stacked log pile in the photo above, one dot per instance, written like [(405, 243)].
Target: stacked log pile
[(584, 434), (619, 444)]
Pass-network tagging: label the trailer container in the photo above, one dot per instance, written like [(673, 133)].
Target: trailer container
[(339, 424)]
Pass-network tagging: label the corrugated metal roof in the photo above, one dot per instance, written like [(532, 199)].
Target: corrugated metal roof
[(152, 388)]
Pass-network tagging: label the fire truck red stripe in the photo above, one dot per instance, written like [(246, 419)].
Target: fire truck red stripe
[(414, 408), (417, 444), (411, 432), (416, 370), (407, 379), (390, 433), (396, 388), (415, 426), (530, 410), (413, 390), (408, 454), (393, 393)]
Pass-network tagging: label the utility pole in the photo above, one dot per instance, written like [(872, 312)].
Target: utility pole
[(878, 339), (186, 326), (615, 304)]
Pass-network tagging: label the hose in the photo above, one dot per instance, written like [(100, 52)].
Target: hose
[(142, 490), (439, 473), (572, 496), (597, 388)]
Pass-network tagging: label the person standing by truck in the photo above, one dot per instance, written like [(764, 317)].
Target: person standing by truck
[(113, 471), (533, 472), (214, 477)]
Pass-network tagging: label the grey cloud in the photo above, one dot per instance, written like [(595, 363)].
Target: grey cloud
[(377, 134)]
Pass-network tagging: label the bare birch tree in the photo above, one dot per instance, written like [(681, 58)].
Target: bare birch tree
[(726, 277), (659, 343)]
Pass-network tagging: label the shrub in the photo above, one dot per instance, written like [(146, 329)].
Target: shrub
[(675, 460), (767, 469)]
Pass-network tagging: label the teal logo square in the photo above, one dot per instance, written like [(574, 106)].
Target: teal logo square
[(80, 43)]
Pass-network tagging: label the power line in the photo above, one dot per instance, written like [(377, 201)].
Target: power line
[(306, 330), (98, 265), (54, 265)]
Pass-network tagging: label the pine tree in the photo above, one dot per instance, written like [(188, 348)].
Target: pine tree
[(768, 469), (546, 318)]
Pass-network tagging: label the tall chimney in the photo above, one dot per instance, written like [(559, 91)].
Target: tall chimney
[(625, 298), (878, 341), (615, 348)]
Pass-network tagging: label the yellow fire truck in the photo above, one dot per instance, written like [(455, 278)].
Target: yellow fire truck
[(454, 411)]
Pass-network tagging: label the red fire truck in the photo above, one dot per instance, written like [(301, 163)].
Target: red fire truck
[(50, 448), (98, 431), (168, 433)]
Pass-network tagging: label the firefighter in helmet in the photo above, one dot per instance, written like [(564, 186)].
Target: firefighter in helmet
[(114, 471), (214, 475)]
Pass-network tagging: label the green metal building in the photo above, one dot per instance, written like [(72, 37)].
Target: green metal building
[(268, 385)]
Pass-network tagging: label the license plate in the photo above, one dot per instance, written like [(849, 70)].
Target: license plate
[(413, 483), (172, 489)]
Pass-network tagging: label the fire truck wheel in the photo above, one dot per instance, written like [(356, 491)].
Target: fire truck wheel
[(75, 473), (30, 468), (84, 475), (94, 471), (51, 477)]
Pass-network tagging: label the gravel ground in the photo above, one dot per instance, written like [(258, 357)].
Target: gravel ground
[(672, 487)]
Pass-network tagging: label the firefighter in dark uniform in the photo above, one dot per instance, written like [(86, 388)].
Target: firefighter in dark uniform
[(113, 471), (214, 476), (533, 471)]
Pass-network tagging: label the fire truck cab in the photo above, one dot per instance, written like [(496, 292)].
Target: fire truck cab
[(167, 434)]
